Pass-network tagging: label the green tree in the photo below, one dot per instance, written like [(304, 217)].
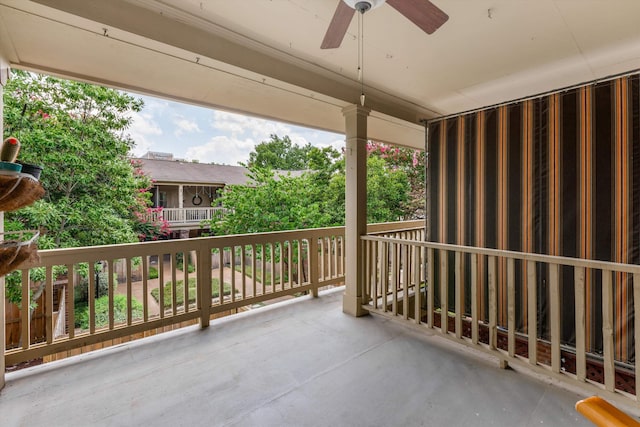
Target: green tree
[(270, 203), (280, 153), (387, 193), (77, 132), (412, 163)]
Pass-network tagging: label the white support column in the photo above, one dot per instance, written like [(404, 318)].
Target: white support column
[(356, 206), (181, 196), (4, 71)]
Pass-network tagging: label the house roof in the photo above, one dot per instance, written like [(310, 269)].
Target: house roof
[(183, 172), (172, 171)]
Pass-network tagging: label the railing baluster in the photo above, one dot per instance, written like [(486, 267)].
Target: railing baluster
[(384, 274), (394, 279), (554, 305), (281, 246), (174, 285), (129, 292), (264, 267), (161, 284), (405, 281), (145, 288), (532, 317), (367, 253), (290, 263), (511, 306), (92, 298), (69, 301), (329, 258), (25, 310), (579, 289), (444, 292), (110, 291), (48, 305), (430, 287), (186, 255), (233, 275), (493, 303), (254, 271), (220, 276), (459, 297), (243, 269), (322, 264), (607, 330), (313, 265), (342, 255), (417, 290), (203, 282), (300, 261), (474, 298)]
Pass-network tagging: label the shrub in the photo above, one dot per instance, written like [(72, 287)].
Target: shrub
[(153, 273), (81, 290), (168, 291), (102, 311)]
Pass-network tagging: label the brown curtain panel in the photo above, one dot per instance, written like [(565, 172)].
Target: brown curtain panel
[(556, 175)]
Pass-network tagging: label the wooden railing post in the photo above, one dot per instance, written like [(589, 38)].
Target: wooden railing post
[(203, 255), (314, 270)]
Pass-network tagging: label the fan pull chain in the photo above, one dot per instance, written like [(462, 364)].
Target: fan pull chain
[(361, 55)]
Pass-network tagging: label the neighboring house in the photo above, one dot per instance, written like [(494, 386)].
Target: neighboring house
[(187, 191)]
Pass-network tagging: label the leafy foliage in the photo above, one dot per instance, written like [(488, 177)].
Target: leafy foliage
[(168, 291), (270, 203), (279, 153), (276, 202), (102, 311), (77, 132)]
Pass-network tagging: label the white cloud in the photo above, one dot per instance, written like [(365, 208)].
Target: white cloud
[(184, 125), (239, 126), (222, 150), (143, 130)]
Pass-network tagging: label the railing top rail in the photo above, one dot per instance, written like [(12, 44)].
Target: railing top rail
[(194, 208), (96, 253), (550, 259), (398, 226)]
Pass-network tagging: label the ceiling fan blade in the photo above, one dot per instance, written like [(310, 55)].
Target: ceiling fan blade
[(338, 26), (423, 13)]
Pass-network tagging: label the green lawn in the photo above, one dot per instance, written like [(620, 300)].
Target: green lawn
[(168, 291)]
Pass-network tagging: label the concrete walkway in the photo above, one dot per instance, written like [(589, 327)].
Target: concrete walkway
[(298, 363)]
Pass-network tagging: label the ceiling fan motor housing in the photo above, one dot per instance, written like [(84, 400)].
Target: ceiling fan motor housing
[(363, 5)]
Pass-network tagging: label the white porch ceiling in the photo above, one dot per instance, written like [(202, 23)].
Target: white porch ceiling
[(263, 57)]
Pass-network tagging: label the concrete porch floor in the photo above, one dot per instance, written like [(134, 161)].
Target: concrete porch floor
[(298, 363)]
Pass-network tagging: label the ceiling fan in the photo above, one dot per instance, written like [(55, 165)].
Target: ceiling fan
[(423, 13)]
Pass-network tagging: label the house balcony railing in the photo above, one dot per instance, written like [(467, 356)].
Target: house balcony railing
[(142, 286), (562, 317), (175, 216)]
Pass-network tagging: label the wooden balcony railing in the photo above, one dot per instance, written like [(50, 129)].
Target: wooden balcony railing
[(93, 295), (517, 306), (187, 215)]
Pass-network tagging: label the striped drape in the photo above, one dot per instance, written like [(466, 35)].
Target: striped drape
[(557, 175)]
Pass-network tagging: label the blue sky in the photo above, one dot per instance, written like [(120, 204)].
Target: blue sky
[(211, 136)]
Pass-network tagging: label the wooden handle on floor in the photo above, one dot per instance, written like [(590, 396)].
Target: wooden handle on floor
[(603, 414)]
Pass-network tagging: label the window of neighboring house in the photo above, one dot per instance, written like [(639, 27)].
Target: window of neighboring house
[(162, 202)]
